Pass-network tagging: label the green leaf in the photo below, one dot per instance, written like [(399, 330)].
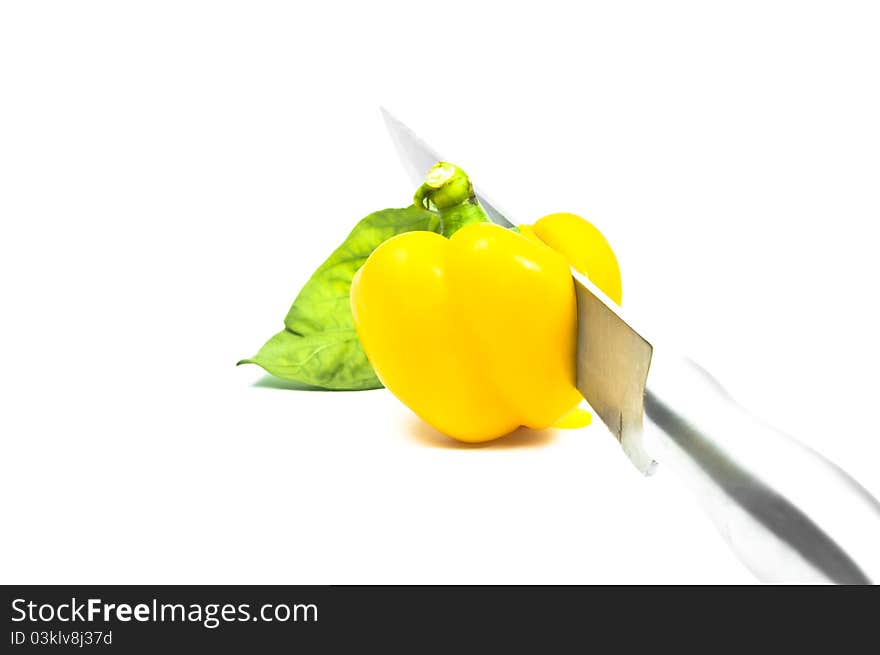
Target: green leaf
[(332, 359), (319, 345)]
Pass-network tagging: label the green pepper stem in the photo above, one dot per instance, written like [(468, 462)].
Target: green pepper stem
[(445, 186)]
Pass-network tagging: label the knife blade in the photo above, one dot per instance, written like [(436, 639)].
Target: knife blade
[(786, 511)]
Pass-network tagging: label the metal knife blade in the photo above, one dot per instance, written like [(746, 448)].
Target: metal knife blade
[(612, 369)]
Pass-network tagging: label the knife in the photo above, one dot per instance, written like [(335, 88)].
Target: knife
[(787, 512)]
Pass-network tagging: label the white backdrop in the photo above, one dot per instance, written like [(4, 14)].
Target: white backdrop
[(171, 173)]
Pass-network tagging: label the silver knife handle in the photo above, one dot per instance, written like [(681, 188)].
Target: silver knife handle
[(788, 513)]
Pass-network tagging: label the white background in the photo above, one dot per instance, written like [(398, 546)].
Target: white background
[(171, 173)]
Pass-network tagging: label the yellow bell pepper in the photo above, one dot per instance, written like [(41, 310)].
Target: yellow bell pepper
[(477, 333), (583, 245)]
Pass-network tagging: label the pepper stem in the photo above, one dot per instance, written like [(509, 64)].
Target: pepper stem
[(445, 186)]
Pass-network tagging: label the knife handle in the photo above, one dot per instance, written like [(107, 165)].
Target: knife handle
[(788, 513)]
